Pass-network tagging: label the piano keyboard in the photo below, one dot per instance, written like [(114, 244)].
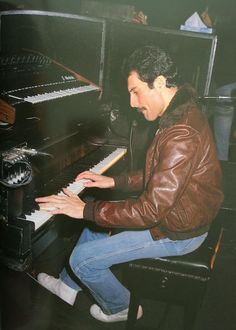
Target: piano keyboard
[(39, 217), (39, 98)]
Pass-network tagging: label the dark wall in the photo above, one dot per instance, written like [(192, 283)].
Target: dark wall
[(162, 13)]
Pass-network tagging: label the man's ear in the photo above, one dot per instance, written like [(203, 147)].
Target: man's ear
[(160, 82)]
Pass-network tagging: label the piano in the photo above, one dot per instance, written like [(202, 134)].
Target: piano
[(49, 79), (49, 116)]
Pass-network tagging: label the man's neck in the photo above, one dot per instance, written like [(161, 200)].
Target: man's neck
[(169, 94)]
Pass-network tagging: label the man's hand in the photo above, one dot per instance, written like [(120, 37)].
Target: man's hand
[(96, 180), (69, 204)]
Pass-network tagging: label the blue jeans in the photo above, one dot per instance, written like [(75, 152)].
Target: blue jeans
[(223, 118), (96, 252)]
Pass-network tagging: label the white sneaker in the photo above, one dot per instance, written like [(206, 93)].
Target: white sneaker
[(57, 287), (98, 314)]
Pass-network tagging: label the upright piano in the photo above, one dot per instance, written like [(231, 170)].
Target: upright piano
[(51, 78)]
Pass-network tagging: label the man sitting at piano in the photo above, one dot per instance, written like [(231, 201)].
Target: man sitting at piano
[(180, 192)]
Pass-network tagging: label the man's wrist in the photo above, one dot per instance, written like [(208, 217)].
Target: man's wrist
[(112, 183)]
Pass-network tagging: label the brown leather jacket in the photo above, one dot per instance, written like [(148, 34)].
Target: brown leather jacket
[(181, 192)]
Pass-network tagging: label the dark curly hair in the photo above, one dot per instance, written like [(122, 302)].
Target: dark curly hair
[(150, 62)]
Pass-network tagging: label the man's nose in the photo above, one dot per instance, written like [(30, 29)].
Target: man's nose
[(133, 101)]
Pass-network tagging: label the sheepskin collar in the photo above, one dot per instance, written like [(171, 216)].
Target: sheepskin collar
[(180, 104)]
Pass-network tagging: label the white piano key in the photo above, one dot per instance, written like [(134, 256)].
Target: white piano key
[(77, 186), (58, 94)]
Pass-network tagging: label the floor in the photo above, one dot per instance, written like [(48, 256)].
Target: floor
[(27, 306)]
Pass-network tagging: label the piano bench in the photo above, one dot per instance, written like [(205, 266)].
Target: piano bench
[(177, 280)]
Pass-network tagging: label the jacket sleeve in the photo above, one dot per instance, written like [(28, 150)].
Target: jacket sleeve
[(176, 161), (130, 182)]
